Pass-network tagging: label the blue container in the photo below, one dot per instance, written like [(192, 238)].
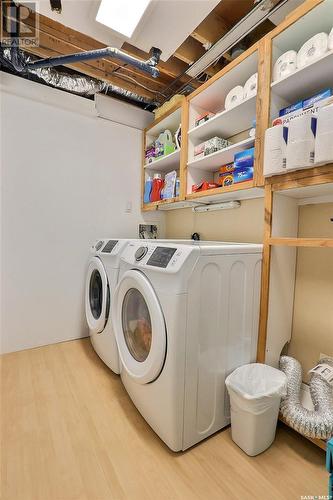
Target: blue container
[(148, 188)]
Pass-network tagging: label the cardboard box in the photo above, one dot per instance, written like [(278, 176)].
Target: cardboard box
[(236, 177)]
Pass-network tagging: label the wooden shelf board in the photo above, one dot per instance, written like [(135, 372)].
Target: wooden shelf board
[(165, 163), (304, 82), (318, 442), (227, 123), (302, 242), (242, 191), (215, 160), (153, 205), (300, 178)]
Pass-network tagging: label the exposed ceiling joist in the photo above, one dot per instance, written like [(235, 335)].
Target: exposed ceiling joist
[(210, 30), (189, 51)]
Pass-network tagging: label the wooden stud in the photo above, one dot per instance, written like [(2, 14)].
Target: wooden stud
[(302, 242), (184, 149), (265, 276), (262, 106)]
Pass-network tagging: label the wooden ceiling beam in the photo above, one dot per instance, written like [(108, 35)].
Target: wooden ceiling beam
[(211, 29), (189, 51)]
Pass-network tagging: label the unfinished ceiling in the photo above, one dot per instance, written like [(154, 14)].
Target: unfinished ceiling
[(56, 38)]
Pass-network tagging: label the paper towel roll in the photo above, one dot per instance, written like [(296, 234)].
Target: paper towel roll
[(301, 142), (285, 65), (250, 87), (275, 150), (312, 49), (330, 40), (234, 97), (324, 135)]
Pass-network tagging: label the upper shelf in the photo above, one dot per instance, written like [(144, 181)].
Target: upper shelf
[(242, 191), (165, 163), (227, 123), (213, 161), (306, 81)]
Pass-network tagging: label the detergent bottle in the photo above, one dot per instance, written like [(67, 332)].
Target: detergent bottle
[(158, 184), (148, 188), (164, 144)]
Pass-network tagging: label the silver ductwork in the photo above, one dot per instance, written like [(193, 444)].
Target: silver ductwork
[(78, 84), (317, 423)]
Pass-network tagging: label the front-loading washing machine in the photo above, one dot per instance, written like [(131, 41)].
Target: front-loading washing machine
[(185, 316), (101, 281)]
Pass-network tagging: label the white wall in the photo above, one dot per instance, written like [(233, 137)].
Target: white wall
[(66, 179)]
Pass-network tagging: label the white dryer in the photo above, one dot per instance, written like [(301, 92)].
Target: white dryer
[(101, 281), (185, 316)]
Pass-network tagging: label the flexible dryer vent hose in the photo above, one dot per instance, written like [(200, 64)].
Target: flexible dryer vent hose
[(317, 423)]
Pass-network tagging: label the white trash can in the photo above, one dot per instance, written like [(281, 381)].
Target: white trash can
[(255, 393)]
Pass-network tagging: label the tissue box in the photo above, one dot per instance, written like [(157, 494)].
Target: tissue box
[(324, 135), (244, 158), (215, 144), (210, 146), (203, 118), (275, 150), (301, 142), (238, 175), (199, 150)]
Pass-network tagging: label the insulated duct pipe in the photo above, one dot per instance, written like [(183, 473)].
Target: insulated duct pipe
[(18, 61), (148, 66), (317, 423)]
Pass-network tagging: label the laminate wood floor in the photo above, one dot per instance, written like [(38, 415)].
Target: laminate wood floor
[(69, 431)]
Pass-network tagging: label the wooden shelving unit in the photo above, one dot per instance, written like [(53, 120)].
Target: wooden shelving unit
[(282, 193), (176, 116), (286, 192), (232, 124)]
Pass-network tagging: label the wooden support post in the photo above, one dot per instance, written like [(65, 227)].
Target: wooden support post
[(266, 262)]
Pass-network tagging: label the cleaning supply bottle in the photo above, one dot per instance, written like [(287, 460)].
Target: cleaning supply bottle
[(158, 184), (148, 188)]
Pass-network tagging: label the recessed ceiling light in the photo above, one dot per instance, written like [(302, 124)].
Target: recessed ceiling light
[(122, 16)]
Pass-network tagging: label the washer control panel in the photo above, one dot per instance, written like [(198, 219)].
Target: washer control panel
[(109, 246)]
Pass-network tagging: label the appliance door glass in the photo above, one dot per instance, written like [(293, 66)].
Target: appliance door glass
[(139, 327), (97, 297)]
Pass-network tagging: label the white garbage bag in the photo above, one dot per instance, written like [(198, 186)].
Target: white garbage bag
[(255, 393)]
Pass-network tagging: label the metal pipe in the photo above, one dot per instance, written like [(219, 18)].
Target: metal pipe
[(146, 66)]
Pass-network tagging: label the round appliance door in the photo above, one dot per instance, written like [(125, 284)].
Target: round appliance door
[(139, 327), (97, 296)]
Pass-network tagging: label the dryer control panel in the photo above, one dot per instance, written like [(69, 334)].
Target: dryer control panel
[(162, 257)]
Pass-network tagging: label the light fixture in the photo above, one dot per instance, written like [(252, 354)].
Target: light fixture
[(227, 205), (122, 16), (262, 11)]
